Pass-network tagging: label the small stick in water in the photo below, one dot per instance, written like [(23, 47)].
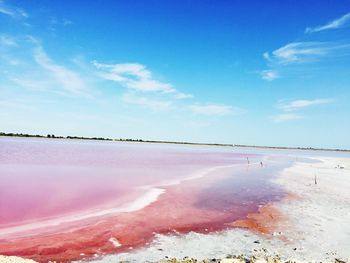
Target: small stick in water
[(315, 180)]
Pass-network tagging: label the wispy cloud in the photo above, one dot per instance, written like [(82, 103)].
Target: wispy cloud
[(12, 12), (337, 23), (282, 59), (139, 80), (12, 61), (300, 52), (66, 22), (137, 77), (22, 12), (269, 74), (57, 21), (212, 109), (8, 41), (299, 104), (69, 80), (6, 11), (289, 108), (155, 105), (286, 117), (32, 83)]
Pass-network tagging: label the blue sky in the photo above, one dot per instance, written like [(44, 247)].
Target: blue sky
[(242, 72)]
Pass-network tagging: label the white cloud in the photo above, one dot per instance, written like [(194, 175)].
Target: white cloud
[(212, 109), (289, 108), (180, 95), (12, 61), (269, 74), (54, 21), (137, 77), (299, 104), (266, 55), (6, 11), (12, 12), (337, 23), (302, 52), (67, 79), (8, 41), (155, 105), (22, 13), (286, 117), (33, 40), (298, 52), (66, 22)]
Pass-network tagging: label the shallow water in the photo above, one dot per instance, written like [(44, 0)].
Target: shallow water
[(74, 199)]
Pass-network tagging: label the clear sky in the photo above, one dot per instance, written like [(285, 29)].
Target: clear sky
[(240, 71)]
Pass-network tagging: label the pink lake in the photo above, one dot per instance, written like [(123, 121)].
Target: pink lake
[(75, 199)]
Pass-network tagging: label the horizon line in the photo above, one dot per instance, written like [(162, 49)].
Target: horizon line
[(52, 136)]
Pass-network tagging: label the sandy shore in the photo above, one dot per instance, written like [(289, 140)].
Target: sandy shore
[(6, 259), (318, 219)]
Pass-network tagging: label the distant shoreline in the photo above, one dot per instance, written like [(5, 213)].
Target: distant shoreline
[(291, 148), (52, 136)]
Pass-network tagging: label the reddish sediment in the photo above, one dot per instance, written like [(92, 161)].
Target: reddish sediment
[(268, 219), (265, 221)]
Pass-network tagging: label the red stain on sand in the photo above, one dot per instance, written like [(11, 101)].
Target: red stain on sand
[(265, 221), (268, 218)]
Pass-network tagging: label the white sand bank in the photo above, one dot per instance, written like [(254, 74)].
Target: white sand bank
[(317, 226), (320, 217), (6, 259)]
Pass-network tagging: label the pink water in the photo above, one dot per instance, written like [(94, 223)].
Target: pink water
[(67, 199)]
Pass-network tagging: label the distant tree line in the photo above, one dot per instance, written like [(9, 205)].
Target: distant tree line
[(291, 148), (20, 135), (52, 136)]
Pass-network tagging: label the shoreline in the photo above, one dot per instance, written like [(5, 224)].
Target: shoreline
[(258, 258)]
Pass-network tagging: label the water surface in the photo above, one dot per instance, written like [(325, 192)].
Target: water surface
[(75, 199)]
